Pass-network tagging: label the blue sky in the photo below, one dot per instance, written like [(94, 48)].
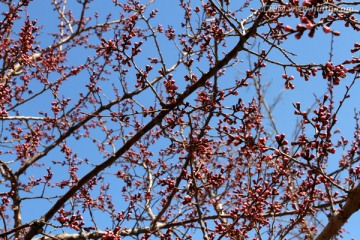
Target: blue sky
[(307, 49)]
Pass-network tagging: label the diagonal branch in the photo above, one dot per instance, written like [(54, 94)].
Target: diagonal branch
[(34, 229), (335, 223)]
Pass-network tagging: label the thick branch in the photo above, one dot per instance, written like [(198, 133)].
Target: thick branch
[(335, 223)]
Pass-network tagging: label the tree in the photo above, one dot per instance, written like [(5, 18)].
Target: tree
[(128, 119)]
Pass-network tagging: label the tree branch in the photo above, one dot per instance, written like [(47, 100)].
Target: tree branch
[(335, 223)]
